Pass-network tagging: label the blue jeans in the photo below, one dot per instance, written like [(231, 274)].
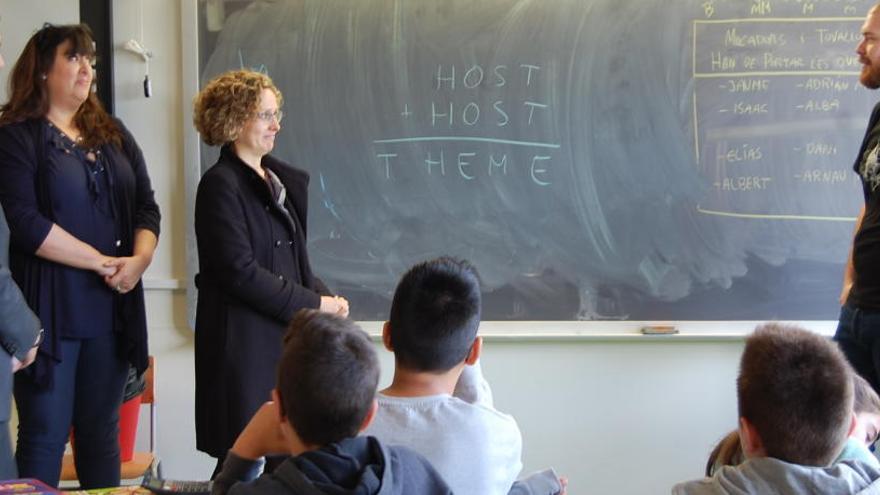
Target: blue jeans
[(858, 336), (87, 393)]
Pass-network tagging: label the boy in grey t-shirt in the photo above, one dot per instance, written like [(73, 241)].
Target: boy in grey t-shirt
[(432, 331)]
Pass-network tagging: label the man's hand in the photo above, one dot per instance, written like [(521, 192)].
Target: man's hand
[(262, 436), (29, 358)]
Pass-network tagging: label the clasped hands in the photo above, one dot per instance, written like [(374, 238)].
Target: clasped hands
[(337, 305), (123, 273)]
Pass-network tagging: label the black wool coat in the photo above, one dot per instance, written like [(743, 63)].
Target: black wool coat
[(254, 275)]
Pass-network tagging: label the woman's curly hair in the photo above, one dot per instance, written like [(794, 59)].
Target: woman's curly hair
[(221, 109)]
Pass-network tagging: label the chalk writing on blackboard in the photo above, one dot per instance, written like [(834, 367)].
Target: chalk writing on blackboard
[(596, 159), (788, 76), (482, 107)]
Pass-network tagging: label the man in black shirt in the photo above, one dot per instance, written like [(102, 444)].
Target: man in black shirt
[(858, 331)]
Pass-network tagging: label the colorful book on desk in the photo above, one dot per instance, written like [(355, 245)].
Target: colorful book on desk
[(116, 490), (26, 486)]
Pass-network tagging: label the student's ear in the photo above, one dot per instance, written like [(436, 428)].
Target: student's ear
[(370, 415), (752, 444), (386, 336), (474, 353)]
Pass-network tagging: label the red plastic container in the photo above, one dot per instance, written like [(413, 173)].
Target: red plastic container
[(128, 421), (129, 412)]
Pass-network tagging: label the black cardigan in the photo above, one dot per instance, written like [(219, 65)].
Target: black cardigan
[(29, 211)]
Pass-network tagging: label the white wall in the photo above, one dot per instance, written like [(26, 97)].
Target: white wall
[(616, 415), (19, 19)]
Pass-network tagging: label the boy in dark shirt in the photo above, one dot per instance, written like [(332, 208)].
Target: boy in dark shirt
[(324, 396)]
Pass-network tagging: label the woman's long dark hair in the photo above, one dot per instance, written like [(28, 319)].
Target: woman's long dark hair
[(28, 95)]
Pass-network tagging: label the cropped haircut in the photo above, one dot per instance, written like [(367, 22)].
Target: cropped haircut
[(29, 95), (796, 389), (865, 399), (435, 315), (327, 377), (225, 104)]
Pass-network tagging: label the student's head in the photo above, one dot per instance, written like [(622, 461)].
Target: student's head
[(327, 378), (795, 395), (866, 407), (435, 315), (728, 452)]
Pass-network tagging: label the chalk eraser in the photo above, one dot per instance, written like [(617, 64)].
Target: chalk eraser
[(659, 330)]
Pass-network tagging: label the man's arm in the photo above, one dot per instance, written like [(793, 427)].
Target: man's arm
[(849, 273), (19, 326)]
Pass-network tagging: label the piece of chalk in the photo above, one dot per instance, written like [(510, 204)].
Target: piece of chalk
[(659, 330)]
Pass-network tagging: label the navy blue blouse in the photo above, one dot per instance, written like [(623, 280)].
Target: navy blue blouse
[(79, 187), (43, 181)]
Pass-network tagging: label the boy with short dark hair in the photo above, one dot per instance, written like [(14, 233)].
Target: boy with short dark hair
[(795, 396), (438, 403), (324, 396)]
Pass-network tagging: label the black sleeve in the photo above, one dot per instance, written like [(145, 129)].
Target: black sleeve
[(146, 210), (18, 189), (234, 470)]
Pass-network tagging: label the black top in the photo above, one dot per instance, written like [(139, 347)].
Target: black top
[(32, 186), (865, 292)]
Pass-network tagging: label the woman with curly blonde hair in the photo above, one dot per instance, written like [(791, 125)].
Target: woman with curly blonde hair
[(254, 272)]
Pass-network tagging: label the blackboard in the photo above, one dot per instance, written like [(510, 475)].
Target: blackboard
[(595, 159)]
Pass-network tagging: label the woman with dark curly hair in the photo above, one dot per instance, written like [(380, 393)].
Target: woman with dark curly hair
[(254, 272), (84, 226)]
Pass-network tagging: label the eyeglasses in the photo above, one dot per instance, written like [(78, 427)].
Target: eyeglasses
[(270, 115)]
